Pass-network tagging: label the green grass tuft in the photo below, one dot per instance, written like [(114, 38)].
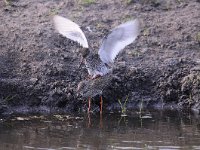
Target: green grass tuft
[(88, 1), (198, 37), (123, 106), (7, 2), (141, 107), (54, 11)]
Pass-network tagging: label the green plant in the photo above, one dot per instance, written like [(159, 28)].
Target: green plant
[(198, 37), (123, 106), (146, 32), (179, 1), (127, 18), (125, 120), (88, 1), (7, 2), (9, 98), (190, 100), (134, 53), (53, 11), (141, 107), (128, 1)]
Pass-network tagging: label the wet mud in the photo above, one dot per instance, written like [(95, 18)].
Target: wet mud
[(39, 69)]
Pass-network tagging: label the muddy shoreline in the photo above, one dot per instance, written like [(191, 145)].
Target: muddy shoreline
[(39, 68)]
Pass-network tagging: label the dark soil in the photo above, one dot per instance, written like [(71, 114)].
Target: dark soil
[(39, 68)]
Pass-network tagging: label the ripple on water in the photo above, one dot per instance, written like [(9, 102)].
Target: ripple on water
[(162, 130)]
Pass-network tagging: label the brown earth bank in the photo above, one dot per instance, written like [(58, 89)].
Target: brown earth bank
[(39, 69)]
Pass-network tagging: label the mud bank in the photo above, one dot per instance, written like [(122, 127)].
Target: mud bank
[(39, 69)]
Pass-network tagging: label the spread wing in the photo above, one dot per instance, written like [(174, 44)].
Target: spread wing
[(70, 30), (120, 37)]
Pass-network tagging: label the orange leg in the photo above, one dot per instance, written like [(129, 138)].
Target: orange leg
[(89, 104), (89, 121), (101, 104), (101, 121)]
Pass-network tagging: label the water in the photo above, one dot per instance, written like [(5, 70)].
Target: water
[(162, 130)]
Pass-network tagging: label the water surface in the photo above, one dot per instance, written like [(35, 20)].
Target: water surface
[(150, 130)]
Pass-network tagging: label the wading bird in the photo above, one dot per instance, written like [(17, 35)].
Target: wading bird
[(92, 88), (99, 64)]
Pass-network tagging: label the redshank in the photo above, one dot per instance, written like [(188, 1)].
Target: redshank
[(101, 63), (98, 64), (92, 88)]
